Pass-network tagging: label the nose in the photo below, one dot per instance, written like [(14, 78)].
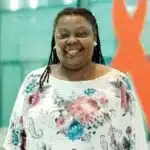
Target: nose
[(71, 40)]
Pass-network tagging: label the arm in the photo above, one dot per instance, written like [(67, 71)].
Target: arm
[(137, 117), (16, 135)]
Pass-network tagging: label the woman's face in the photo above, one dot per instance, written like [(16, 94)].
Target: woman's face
[(74, 39)]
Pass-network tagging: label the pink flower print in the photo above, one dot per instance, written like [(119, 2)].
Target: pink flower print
[(128, 130), (86, 117), (123, 97), (83, 109), (60, 120), (93, 105), (34, 99), (103, 100)]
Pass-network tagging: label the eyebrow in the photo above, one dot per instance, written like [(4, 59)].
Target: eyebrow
[(66, 30), (82, 27), (62, 29)]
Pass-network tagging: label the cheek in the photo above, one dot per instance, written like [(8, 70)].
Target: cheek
[(60, 44), (88, 45), (87, 42)]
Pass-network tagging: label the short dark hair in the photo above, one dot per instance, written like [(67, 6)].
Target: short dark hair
[(53, 58)]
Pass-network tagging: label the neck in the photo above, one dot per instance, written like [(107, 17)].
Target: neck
[(87, 72)]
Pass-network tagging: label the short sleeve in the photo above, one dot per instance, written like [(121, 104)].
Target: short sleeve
[(136, 113), (16, 134)]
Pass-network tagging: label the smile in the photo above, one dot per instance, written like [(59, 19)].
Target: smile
[(73, 51)]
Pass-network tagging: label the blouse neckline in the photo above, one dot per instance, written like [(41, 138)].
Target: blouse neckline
[(61, 81)]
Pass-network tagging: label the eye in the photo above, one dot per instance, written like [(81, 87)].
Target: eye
[(64, 35), (82, 34)]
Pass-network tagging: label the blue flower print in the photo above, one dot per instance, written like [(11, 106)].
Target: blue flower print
[(30, 88), (128, 84), (75, 130), (89, 91), (15, 137)]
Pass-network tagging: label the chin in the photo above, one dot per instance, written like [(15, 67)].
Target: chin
[(74, 66)]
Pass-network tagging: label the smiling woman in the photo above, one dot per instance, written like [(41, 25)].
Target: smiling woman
[(76, 102)]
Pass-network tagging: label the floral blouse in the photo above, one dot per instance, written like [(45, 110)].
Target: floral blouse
[(98, 114)]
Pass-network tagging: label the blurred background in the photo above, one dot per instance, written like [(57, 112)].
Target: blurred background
[(25, 37)]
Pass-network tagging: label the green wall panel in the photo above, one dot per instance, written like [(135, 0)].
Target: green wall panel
[(11, 80)]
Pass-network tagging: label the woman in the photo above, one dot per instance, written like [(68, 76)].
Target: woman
[(76, 102)]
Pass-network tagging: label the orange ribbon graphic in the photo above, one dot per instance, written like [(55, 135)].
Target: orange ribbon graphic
[(130, 56)]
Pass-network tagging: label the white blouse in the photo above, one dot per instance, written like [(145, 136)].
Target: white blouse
[(98, 114)]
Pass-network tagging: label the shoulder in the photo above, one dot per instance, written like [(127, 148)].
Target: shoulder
[(122, 78), (31, 81), (112, 71), (35, 73), (119, 73)]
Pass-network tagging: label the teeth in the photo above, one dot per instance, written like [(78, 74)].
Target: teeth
[(72, 51)]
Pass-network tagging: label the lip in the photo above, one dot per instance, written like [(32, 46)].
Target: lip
[(73, 52)]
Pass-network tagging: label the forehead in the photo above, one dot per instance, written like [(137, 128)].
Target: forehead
[(73, 21)]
